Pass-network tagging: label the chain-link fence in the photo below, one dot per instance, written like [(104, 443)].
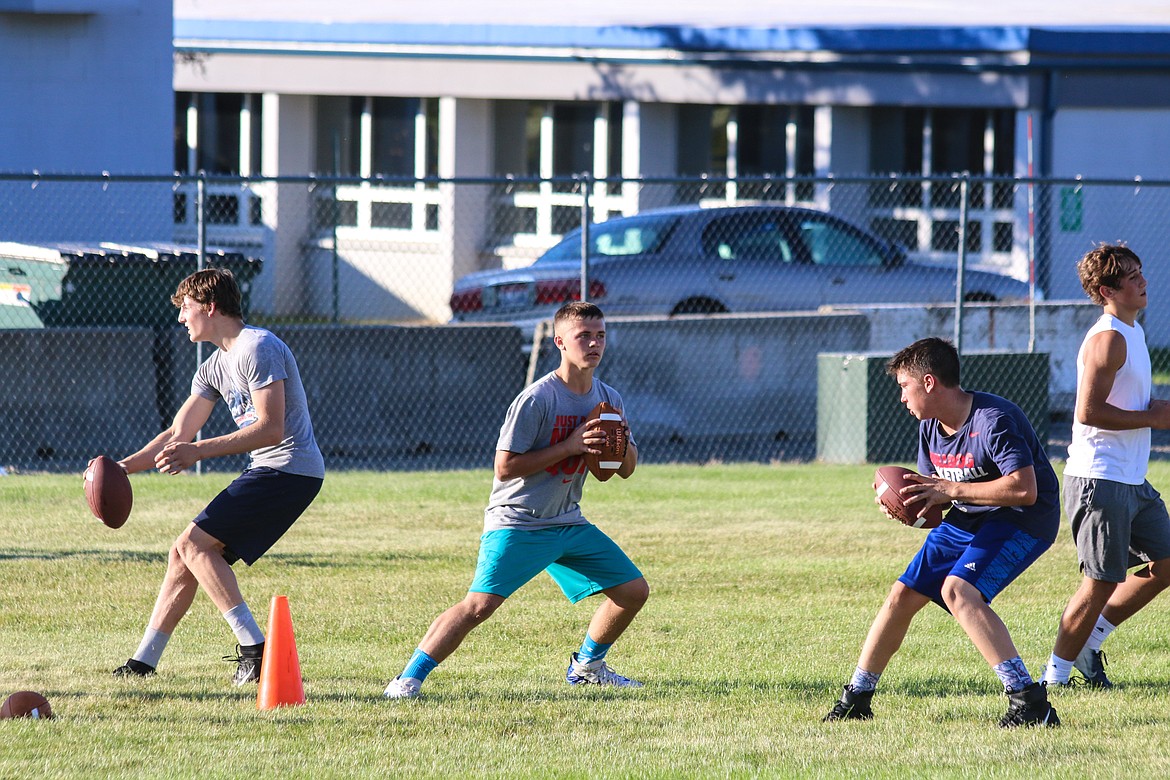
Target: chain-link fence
[(749, 319)]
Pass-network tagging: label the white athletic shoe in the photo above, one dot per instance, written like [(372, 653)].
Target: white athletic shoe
[(599, 674), (403, 688)]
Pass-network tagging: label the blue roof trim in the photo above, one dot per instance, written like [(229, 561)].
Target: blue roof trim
[(1117, 41), (680, 38)]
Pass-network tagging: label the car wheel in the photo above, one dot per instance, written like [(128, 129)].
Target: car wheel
[(979, 296), (698, 306)]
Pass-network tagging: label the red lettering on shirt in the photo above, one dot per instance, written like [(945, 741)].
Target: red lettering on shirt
[(563, 427)]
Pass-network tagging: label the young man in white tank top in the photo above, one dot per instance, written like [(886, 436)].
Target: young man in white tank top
[(1118, 520)]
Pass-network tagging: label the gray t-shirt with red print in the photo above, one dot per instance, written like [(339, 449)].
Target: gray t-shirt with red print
[(544, 414)]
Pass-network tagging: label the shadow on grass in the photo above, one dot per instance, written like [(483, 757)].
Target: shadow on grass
[(300, 560), (919, 687), (364, 560), (105, 556)]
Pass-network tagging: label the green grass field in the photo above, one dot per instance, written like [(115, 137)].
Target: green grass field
[(764, 580)]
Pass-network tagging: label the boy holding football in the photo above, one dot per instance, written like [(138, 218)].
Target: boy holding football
[(533, 520), (1119, 520), (256, 375), (979, 455)]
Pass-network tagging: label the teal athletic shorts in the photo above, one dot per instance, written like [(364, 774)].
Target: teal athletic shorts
[(580, 558)]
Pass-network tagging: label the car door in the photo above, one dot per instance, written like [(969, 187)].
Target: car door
[(850, 266), (754, 264)]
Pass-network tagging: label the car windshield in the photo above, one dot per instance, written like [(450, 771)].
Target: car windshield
[(636, 236)]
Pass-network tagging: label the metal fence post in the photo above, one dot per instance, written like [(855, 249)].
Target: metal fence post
[(586, 180), (200, 262), (334, 257), (964, 205)]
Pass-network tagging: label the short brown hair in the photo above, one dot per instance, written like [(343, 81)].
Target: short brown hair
[(1105, 266), (211, 285), (577, 310), (934, 356)]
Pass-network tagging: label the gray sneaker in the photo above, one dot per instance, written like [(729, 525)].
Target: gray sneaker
[(402, 688), (597, 673), (1091, 663)]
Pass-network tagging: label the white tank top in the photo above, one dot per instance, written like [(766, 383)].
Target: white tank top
[(1119, 456)]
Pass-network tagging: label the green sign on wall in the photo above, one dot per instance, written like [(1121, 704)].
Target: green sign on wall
[(1072, 209)]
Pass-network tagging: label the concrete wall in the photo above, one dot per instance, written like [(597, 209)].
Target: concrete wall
[(697, 388), (415, 397), (67, 395)]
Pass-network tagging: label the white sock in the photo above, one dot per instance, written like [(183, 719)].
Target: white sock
[(1100, 631), (1057, 671), (151, 649), (243, 625)]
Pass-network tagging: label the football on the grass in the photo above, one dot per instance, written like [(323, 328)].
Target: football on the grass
[(26, 704), (107, 489), (613, 451), (888, 481)]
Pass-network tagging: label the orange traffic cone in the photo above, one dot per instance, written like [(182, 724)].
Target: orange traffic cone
[(280, 671)]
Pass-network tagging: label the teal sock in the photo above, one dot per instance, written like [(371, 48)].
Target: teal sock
[(419, 666), (592, 651)]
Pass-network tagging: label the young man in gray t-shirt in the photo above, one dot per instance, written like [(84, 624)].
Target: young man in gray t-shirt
[(255, 374), (533, 520)]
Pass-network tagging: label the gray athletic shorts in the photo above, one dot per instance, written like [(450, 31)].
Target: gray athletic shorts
[(1116, 526)]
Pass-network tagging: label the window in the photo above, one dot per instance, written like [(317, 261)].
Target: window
[(635, 236), (702, 140), (227, 130), (339, 122), (943, 142), (829, 243), (753, 235), (546, 140), (377, 136), (748, 141)]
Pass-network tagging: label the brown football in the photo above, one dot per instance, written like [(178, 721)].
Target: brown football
[(887, 482), (26, 704), (107, 489), (613, 452)]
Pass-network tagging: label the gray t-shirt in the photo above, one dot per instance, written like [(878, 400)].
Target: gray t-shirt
[(544, 414), (256, 360)]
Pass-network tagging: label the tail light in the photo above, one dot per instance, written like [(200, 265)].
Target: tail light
[(467, 301), (564, 290)]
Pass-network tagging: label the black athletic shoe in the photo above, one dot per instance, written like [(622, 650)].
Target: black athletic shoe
[(854, 705), (134, 668), (1029, 707), (1091, 663), (247, 661)]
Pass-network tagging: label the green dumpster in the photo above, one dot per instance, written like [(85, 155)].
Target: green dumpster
[(29, 275), (103, 285)]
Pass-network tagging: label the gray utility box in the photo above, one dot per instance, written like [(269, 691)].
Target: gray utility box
[(860, 417)]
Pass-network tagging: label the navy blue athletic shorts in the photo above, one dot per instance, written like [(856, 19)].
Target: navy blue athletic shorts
[(255, 510)]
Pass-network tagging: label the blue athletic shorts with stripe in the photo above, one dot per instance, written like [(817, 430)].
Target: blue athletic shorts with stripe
[(580, 558), (989, 559)]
